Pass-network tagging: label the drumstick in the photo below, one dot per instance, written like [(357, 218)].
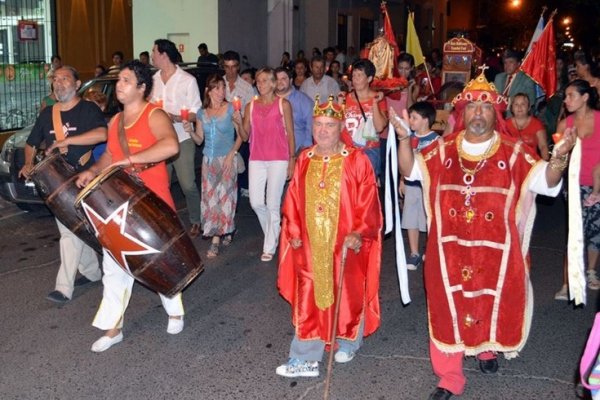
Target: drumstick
[(335, 320)]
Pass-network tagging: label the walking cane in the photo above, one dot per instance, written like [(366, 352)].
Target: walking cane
[(336, 313)]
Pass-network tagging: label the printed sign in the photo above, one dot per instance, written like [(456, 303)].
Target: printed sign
[(27, 30)]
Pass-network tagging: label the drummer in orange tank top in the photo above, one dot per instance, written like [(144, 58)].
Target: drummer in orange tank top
[(150, 139)]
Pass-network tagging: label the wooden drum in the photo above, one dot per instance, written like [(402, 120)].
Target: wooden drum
[(54, 179), (140, 231)]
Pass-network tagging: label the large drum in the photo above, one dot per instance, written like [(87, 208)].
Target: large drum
[(140, 231), (54, 179)]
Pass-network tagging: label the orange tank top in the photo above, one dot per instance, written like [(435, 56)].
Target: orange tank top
[(140, 137)]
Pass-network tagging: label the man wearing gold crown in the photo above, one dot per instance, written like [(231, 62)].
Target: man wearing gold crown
[(479, 187), (331, 203)]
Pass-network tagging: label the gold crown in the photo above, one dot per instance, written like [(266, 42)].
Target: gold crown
[(481, 83), (329, 109), (479, 89)]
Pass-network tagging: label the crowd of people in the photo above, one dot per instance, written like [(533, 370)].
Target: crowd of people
[(320, 126)]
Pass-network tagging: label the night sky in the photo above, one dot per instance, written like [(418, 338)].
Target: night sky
[(515, 25)]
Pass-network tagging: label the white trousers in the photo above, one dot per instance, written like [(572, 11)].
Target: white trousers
[(75, 256), (266, 181), (117, 292)]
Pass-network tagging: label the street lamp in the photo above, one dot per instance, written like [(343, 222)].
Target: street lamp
[(515, 3), (566, 21)]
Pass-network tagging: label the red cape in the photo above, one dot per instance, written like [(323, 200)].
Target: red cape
[(476, 271), (359, 211)]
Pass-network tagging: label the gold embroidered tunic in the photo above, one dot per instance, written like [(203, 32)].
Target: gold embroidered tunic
[(327, 199)]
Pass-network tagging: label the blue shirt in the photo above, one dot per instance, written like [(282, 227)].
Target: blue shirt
[(219, 133), (302, 109), (425, 140)]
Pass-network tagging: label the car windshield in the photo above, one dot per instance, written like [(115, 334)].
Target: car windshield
[(106, 86)]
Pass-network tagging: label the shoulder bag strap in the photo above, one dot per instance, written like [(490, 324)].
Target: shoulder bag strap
[(360, 106)]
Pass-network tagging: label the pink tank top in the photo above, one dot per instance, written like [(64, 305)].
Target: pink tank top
[(268, 137), (590, 151)]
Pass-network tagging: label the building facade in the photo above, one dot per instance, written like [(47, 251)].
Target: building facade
[(86, 33)]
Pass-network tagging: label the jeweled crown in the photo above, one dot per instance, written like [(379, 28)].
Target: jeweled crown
[(329, 109), (479, 89)]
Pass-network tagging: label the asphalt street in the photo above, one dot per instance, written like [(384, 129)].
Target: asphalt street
[(238, 330)]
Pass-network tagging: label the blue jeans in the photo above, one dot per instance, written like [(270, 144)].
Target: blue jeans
[(185, 169)]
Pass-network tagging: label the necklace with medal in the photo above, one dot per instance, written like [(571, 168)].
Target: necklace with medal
[(469, 173)]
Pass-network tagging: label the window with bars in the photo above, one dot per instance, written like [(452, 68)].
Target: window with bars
[(26, 46)]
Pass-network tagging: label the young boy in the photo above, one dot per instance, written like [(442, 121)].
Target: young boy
[(421, 119)]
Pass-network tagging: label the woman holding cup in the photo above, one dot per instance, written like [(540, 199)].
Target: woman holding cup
[(217, 124)]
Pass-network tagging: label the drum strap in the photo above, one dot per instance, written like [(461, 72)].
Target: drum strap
[(58, 126), (59, 133), (125, 145), (122, 136)]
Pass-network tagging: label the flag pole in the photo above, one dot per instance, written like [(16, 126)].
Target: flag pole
[(543, 53), (545, 27), (428, 76)]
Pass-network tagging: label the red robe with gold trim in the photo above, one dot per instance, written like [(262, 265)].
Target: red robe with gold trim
[(305, 272), (476, 268)]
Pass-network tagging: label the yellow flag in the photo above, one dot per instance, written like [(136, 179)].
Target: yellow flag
[(412, 41)]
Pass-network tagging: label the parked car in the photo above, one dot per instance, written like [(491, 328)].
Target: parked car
[(12, 156)]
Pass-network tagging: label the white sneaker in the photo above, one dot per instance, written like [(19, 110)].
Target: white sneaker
[(106, 342), (295, 367), (175, 326), (562, 294), (592, 280), (413, 262), (343, 357)]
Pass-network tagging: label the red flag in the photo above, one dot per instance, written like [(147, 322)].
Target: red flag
[(540, 63), (388, 32)]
